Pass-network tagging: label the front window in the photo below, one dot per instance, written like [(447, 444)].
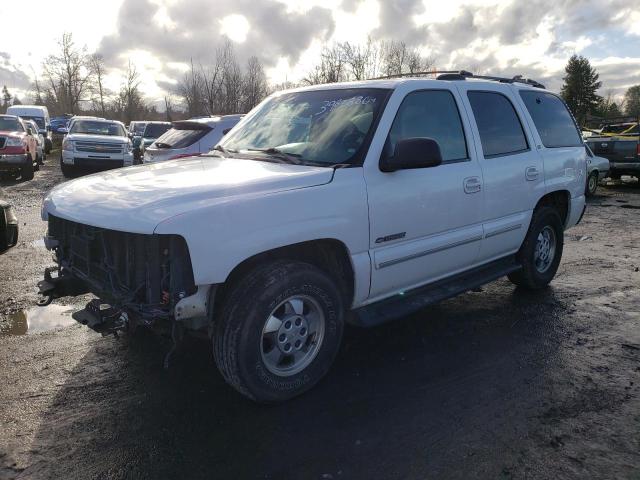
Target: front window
[(154, 130), (9, 124), (98, 128), (322, 127)]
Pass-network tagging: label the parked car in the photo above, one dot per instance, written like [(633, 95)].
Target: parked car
[(597, 169), (38, 114), (136, 128), (32, 129), (190, 137), (18, 149), (376, 197), (75, 118), (152, 131), (622, 153), (95, 144), (60, 124), (8, 226)]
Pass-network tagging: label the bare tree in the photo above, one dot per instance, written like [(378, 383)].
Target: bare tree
[(97, 66), (332, 67), (169, 107), (363, 61), (255, 84), (190, 89), (129, 104), (68, 75)]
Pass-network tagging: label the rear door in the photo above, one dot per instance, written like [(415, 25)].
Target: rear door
[(511, 167)]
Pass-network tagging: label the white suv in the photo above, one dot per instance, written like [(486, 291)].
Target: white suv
[(95, 144), (375, 197)]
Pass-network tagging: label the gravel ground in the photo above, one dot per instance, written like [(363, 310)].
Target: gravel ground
[(496, 383)]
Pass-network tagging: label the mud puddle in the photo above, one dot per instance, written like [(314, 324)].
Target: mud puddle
[(37, 319)]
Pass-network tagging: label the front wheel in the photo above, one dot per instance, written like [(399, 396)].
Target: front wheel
[(541, 250), (27, 171), (278, 331)]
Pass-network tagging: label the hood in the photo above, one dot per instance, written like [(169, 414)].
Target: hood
[(6, 133), (136, 199), (83, 137)]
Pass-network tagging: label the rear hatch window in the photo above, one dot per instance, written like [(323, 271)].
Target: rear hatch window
[(182, 135)]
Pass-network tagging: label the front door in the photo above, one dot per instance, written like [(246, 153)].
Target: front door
[(425, 223)]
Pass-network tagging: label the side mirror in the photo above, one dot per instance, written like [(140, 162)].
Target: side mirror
[(63, 130), (409, 153)]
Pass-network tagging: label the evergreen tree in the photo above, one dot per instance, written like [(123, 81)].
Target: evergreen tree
[(632, 101), (6, 98), (579, 89)]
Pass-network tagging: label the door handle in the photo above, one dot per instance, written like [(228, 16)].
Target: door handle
[(531, 173), (472, 185)]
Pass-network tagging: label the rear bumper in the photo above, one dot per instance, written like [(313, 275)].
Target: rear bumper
[(13, 162), (624, 168), (577, 208)]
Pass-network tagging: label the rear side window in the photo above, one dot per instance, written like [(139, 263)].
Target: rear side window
[(552, 119), (180, 137), (432, 114), (500, 129)]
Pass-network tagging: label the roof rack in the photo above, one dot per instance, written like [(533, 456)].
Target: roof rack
[(463, 75)]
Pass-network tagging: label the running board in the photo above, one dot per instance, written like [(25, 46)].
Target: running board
[(409, 302)]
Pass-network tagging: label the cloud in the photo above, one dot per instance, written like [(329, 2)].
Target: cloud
[(183, 30), (11, 75)]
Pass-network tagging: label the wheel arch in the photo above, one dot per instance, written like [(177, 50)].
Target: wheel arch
[(328, 254), (558, 199)]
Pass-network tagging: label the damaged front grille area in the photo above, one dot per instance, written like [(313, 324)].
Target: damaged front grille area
[(145, 274)]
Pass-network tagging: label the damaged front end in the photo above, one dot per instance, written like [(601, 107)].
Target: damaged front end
[(139, 279)]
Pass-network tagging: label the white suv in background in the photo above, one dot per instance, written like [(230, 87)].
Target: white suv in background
[(189, 138), (375, 197), (95, 144)]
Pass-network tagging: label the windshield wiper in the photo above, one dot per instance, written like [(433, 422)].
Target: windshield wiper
[(219, 148), (279, 154)]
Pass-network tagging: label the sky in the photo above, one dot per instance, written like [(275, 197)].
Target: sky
[(534, 38)]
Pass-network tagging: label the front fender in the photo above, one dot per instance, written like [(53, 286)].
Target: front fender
[(223, 235)]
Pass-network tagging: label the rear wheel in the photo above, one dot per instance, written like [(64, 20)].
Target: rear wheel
[(278, 331), (27, 171), (541, 250), (592, 184)]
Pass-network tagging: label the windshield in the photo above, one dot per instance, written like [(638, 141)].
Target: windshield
[(98, 128), (154, 130), (324, 127), (9, 124), (137, 128), (181, 136), (39, 120)]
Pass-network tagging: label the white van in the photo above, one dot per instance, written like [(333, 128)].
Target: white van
[(40, 115)]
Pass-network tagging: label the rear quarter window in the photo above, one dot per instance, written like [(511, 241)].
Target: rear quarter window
[(552, 119)]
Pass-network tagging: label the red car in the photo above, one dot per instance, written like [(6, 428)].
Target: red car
[(18, 148)]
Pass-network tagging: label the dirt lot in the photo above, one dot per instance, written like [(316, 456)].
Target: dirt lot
[(496, 383)]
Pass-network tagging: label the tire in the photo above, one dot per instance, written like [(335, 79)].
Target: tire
[(67, 171), (545, 223), (27, 171), (246, 355), (592, 184)]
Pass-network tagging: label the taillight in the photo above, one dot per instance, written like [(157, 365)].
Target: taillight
[(183, 155)]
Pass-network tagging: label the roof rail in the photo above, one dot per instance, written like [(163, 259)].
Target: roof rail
[(463, 75)]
